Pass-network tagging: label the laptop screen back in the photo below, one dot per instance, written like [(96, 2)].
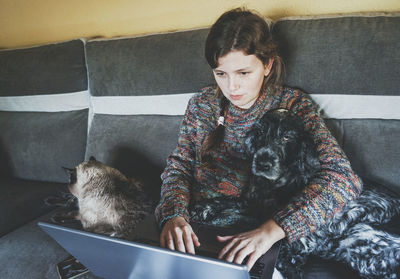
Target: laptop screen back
[(115, 258)]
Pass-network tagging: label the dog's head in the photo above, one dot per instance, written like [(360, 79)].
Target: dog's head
[(94, 178), (279, 147)]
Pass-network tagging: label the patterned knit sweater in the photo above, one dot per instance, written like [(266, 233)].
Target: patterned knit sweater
[(186, 181)]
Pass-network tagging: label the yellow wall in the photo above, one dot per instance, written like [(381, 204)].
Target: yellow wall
[(33, 22)]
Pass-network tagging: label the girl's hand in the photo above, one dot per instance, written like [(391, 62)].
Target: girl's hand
[(253, 243), (178, 235)]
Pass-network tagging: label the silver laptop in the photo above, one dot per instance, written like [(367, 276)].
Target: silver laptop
[(114, 258)]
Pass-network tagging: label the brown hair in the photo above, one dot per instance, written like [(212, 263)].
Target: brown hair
[(239, 30)]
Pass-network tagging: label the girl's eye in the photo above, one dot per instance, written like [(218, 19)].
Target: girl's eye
[(244, 73), (219, 74)]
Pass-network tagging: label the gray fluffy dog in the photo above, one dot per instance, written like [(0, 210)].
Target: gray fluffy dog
[(109, 203), (365, 235)]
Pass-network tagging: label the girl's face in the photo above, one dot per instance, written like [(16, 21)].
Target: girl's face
[(240, 77)]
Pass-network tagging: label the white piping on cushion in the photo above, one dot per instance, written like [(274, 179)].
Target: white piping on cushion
[(174, 104), (358, 106), (42, 45), (46, 103), (338, 15), (333, 106), (105, 39)]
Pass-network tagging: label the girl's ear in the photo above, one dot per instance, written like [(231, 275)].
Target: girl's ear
[(268, 67)]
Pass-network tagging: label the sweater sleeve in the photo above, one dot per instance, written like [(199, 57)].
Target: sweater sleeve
[(332, 187), (178, 174)]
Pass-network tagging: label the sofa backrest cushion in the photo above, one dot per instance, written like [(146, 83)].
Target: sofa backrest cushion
[(43, 110), (341, 55), (139, 92), (350, 65)]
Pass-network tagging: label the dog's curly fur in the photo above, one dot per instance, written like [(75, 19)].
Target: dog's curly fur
[(364, 234), (109, 202), (283, 160)]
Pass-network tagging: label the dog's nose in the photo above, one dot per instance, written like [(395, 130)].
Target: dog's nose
[(265, 165), (265, 158)]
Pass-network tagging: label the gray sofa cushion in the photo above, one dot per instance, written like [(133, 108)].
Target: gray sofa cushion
[(373, 156), (35, 145), (49, 69), (44, 116), (151, 65), (344, 55), (137, 145), (142, 71), (351, 56), (28, 252), (373, 148), (22, 201)]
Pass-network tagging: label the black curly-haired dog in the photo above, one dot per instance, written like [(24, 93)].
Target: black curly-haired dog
[(364, 234), (283, 160)]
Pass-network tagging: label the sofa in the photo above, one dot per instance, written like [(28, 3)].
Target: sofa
[(122, 101)]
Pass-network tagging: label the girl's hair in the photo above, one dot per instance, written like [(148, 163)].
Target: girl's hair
[(246, 31)]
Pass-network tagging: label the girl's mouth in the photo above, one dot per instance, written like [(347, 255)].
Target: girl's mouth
[(236, 97)]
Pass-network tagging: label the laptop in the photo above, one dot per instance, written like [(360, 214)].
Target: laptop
[(114, 258)]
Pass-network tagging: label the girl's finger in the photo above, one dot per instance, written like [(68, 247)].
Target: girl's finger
[(252, 260), (168, 241), (226, 248), (224, 238), (170, 244), (195, 240), (241, 254), (239, 245), (180, 246), (187, 238)]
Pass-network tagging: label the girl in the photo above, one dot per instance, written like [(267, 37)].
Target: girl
[(209, 160)]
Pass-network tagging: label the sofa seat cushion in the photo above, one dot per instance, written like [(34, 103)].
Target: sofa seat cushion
[(22, 201), (28, 252)]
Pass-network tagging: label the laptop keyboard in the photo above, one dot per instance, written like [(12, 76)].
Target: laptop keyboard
[(257, 271), (260, 270)]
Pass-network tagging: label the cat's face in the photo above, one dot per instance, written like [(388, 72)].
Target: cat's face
[(90, 176)]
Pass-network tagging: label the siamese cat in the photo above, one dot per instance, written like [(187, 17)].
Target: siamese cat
[(109, 203)]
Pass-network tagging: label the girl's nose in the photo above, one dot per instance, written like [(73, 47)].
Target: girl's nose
[(233, 84)]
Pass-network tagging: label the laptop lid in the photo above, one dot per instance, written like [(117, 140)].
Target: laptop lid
[(114, 258), (109, 257)]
